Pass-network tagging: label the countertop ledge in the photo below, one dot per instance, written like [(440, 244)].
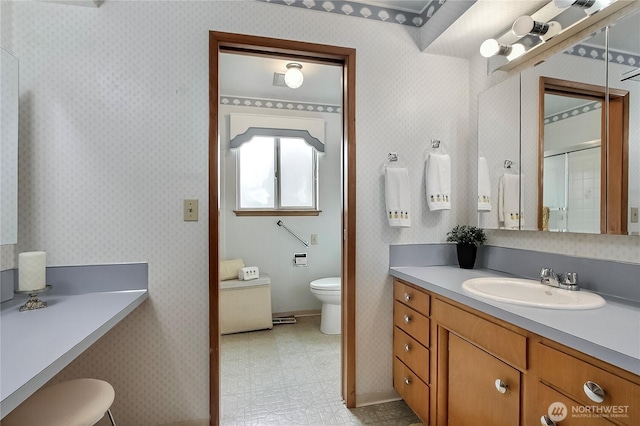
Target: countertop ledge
[(84, 304), (589, 331)]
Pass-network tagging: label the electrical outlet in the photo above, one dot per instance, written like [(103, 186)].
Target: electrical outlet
[(314, 239), (634, 214), (190, 210)]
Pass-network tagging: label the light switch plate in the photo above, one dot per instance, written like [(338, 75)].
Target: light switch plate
[(190, 210), (634, 215)]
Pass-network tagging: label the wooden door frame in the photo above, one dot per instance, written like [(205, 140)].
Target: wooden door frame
[(614, 148), (310, 52)]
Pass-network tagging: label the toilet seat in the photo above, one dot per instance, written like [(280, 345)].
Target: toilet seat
[(327, 284)]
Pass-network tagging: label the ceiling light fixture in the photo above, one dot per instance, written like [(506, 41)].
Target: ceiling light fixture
[(293, 77), (590, 6), (491, 47), (527, 25)]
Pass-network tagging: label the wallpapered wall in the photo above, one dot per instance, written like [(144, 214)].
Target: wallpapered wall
[(113, 134), (114, 120)]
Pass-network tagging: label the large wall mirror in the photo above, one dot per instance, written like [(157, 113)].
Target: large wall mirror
[(8, 148), (579, 132)]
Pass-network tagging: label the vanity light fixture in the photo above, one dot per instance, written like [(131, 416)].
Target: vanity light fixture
[(491, 47), (293, 77), (527, 25), (590, 6)]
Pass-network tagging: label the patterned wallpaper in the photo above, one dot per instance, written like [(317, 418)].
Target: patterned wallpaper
[(114, 119), (113, 133)]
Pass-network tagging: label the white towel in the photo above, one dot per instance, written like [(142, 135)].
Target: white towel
[(438, 182), (397, 196), (509, 201), (484, 186)]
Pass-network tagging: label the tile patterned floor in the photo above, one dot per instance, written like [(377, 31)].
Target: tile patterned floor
[(291, 376)]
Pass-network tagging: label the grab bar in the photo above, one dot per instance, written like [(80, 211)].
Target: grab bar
[(279, 223)]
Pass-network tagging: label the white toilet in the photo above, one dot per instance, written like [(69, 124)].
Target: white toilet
[(329, 292)]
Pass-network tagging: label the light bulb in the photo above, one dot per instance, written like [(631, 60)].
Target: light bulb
[(517, 50), (526, 25), (293, 77), (489, 48)]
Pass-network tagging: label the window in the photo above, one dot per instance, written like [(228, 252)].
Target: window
[(277, 174)]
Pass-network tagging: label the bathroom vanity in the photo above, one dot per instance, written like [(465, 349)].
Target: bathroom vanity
[(458, 359)]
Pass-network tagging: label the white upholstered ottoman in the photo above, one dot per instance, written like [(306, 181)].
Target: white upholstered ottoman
[(245, 305)]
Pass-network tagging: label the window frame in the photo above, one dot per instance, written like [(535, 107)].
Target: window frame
[(279, 210)]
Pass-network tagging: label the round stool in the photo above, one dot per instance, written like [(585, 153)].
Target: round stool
[(81, 402)]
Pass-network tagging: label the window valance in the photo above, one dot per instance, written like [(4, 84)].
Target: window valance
[(243, 127)]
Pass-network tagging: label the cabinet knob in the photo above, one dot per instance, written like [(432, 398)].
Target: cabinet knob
[(594, 391), (501, 386), (407, 381), (546, 421), (407, 347), (407, 297), (407, 319)]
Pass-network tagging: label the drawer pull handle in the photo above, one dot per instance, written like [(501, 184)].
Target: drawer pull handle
[(407, 381), (594, 391), (501, 386), (407, 319), (546, 421), (407, 348), (407, 297)]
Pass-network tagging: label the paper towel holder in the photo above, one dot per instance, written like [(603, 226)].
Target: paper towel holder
[(33, 303)]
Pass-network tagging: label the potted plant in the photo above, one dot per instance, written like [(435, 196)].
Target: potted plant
[(468, 238)]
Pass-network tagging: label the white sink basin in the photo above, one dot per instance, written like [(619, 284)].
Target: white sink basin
[(520, 291)]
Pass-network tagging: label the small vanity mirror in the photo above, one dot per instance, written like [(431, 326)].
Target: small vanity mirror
[(9, 93)]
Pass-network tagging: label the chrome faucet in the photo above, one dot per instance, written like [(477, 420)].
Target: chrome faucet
[(568, 281)]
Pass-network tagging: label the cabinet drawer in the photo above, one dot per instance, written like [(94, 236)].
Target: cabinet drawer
[(505, 344), (548, 396), (416, 299), (413, 390), (411, 353), (569, 375), (411, 322)]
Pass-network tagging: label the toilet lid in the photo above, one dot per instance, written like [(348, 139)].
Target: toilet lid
[(331, 283)]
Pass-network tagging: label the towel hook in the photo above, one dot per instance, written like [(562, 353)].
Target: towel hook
[(435, 143), (393, 156)]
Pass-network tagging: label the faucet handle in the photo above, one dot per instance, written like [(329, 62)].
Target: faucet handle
[(570, 278), (546, 272)]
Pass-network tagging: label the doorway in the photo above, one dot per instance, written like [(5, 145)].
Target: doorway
[(242, 44)]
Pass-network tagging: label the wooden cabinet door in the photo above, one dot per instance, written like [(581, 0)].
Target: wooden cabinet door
[(473, 398)]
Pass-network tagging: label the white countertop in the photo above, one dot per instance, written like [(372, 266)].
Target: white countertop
[(610, 333), (36, 345)]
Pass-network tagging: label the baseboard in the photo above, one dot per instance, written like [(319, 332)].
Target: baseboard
[(307, 313), (376, 398)]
